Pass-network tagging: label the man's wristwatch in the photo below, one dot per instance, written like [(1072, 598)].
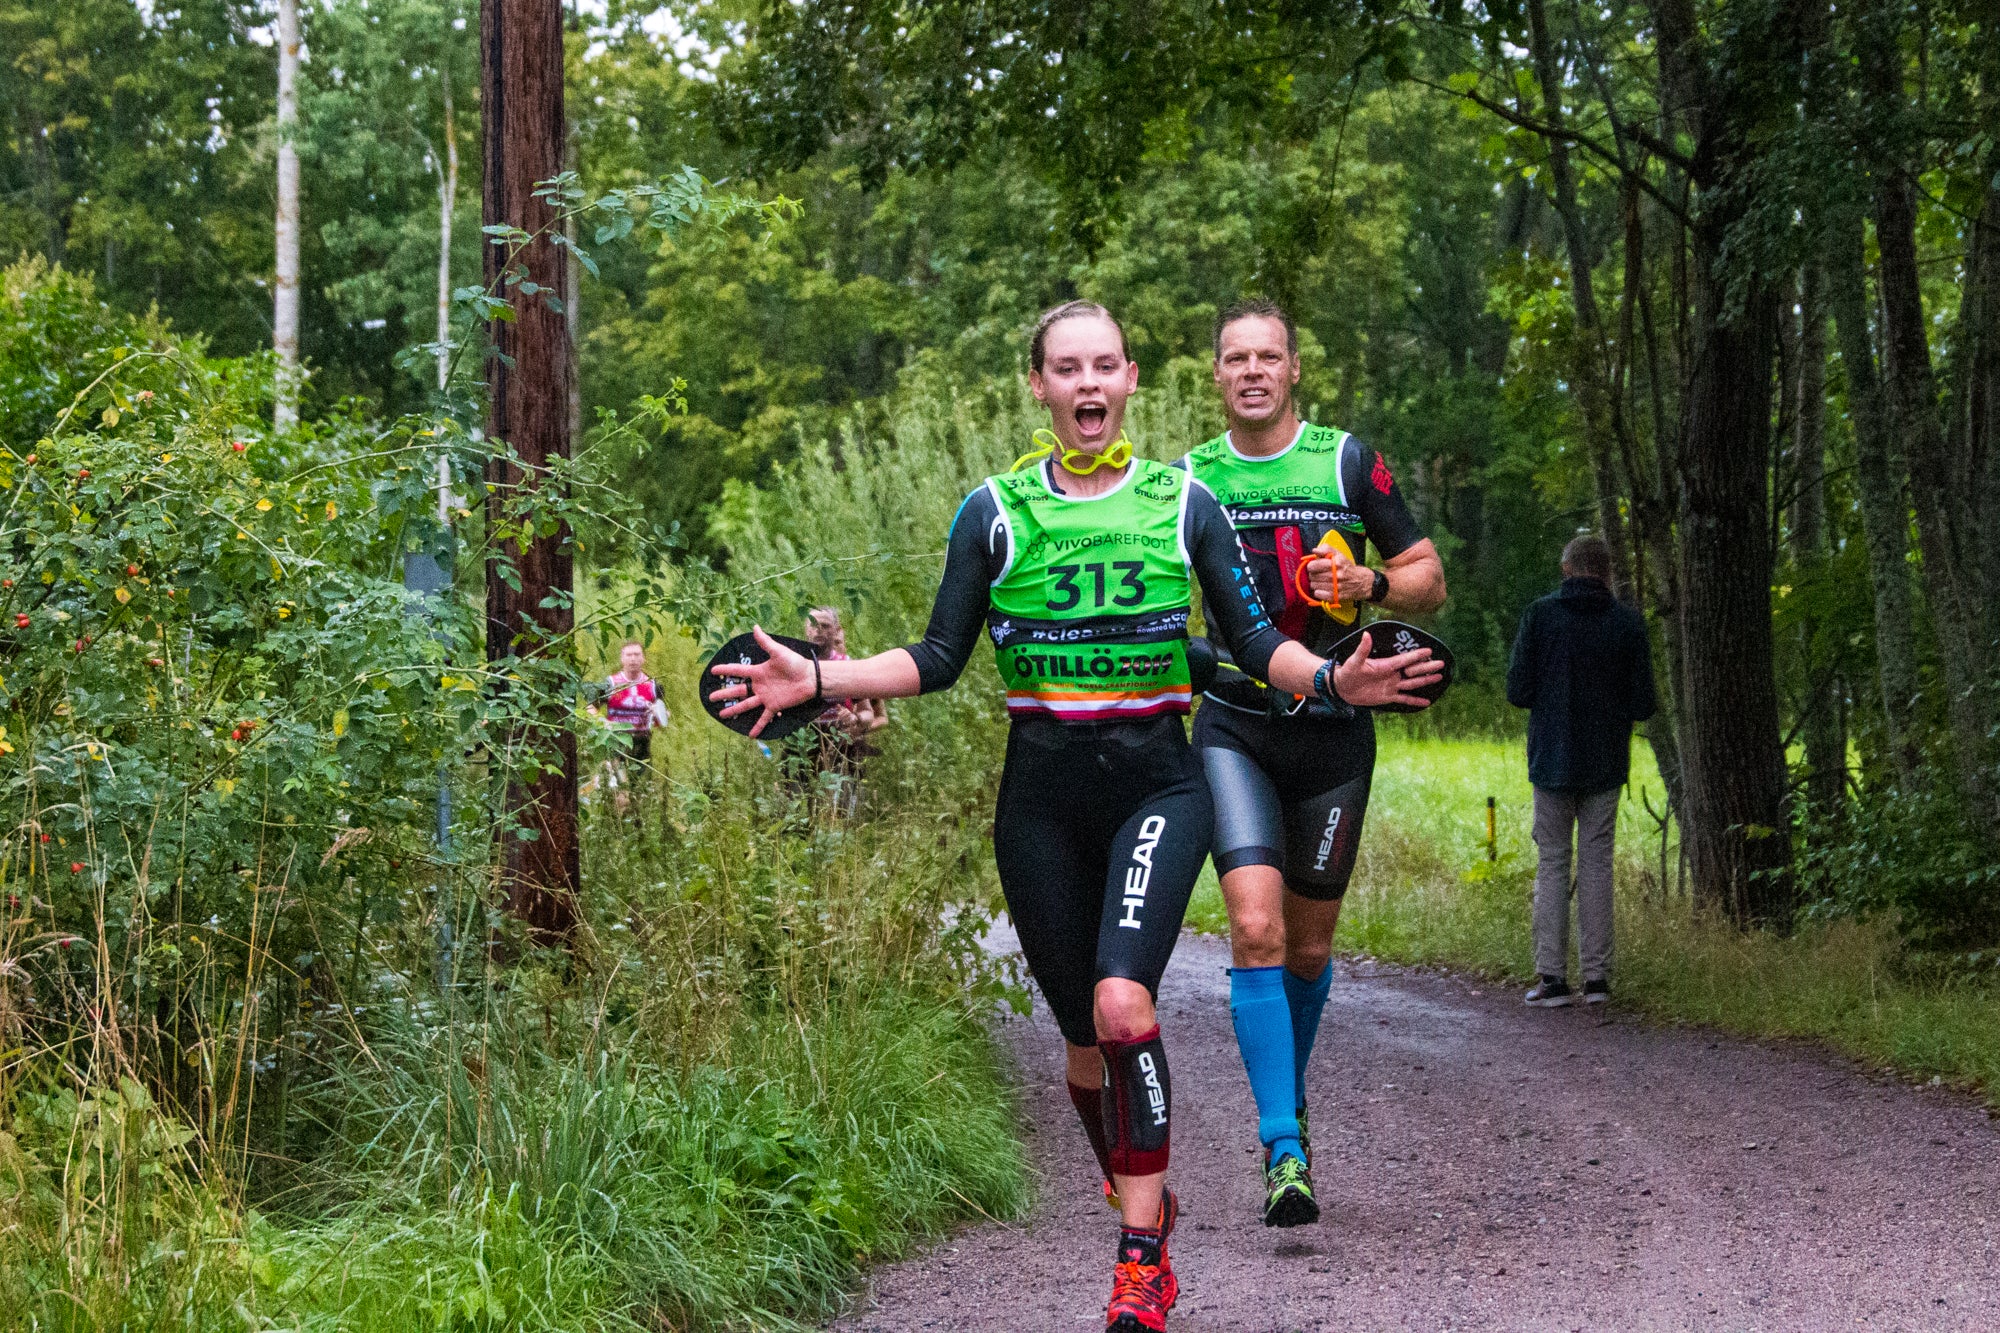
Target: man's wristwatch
[(1329, 696), (1381, 588)]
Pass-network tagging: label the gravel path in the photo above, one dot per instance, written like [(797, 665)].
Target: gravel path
[(1483, 1165)]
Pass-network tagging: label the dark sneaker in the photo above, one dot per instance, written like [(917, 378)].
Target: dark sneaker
[(1549, 993), (1288, 1199), (1143, 1285), (1597, 992)]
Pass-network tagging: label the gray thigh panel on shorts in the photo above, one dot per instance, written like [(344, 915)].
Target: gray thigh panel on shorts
[(1249, 821)]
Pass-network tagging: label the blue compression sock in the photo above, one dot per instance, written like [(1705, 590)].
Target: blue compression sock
[(1264, 1036), (1306, 1001)]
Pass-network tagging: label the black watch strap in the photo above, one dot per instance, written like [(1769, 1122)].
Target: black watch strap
[(1381, 588)]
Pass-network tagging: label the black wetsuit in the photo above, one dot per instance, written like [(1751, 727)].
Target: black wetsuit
[(1101, 827), (1291, 777)]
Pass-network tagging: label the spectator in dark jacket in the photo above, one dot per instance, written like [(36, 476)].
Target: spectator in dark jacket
[(1583, 670)]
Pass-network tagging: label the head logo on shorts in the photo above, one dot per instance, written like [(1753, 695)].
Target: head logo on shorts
[(1139, 875), (1326, 838)]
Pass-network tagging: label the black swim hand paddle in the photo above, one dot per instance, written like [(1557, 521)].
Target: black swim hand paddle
[(1390, 638), (744, 650)]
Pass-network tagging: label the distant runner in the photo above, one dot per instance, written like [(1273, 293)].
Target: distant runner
[(632, 700), (837, 742), (1079, 564), (1291, 774)]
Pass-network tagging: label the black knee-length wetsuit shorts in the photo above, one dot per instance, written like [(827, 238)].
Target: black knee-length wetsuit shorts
[(1290, 792), (1099, 836)]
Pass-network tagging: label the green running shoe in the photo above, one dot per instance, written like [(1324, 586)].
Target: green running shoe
[(1289, 1201)]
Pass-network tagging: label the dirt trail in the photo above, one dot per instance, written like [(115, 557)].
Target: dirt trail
[(1487, 1166)]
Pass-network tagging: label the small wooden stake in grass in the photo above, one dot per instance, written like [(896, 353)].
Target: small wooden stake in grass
[(1492, 831)]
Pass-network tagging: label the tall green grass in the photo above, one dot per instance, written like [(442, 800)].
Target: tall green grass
[(1424, 892)]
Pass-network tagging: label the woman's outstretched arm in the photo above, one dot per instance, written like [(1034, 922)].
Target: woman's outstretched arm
[(932, 663)]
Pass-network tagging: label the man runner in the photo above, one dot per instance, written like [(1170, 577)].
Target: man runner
[(1290, 776)]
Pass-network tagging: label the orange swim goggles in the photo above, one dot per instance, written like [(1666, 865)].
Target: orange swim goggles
[(1332, 543)]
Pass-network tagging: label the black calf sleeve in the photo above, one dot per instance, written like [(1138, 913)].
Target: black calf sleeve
[(1137, 1104), (1089, 1104)]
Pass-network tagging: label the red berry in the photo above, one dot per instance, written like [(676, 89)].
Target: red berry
[(13, 900), (236, 735), (239, 445), (76, 867), (83, 474), (20, 620), (79, 645), (67, 943), (6, 583), (133, 570), (154, 661), (45, 837), (31, 460)]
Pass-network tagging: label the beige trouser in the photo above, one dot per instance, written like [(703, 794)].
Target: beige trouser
[(1594, 821)]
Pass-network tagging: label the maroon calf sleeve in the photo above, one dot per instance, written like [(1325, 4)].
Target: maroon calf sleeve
[(1137, 1104)]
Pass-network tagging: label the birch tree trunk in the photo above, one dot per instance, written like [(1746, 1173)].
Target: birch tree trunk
[(447, 205), (285, 287)]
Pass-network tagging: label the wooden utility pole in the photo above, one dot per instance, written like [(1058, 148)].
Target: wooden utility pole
[(285, 288), (521, 86)]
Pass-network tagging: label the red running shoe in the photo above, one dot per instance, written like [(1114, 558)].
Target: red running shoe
[(1141, 1292)]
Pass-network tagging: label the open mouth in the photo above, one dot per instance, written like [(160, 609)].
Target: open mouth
[(1090, 418)]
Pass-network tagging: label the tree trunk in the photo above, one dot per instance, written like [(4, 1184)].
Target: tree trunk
[(1885, 509), (1825, 737), (285, 287), (521, 79), (447, 205), (1593, 389), (1732, 755), (1979, 398), (1941, 504)]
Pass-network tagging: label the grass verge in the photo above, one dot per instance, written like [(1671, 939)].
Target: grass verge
[(1425, 892)]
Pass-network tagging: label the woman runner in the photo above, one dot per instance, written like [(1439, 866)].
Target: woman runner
[(1080, 567)]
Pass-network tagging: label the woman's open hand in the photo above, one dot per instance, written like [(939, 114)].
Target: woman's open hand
[(784, 680), (1366, 681)]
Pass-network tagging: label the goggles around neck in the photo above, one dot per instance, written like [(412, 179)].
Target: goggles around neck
[(1075, 461)]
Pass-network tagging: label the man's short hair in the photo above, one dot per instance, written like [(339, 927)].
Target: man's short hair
[(1038, 343), (1588, 556), (1256, 307)]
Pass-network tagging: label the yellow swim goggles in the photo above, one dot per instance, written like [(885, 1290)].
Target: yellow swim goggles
[(1075, 460)]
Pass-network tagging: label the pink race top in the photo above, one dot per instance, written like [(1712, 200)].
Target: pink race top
[(630, 703)]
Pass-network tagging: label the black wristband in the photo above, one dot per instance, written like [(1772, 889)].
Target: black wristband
[(819, 690), (1323, 686), (1381, 588)]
